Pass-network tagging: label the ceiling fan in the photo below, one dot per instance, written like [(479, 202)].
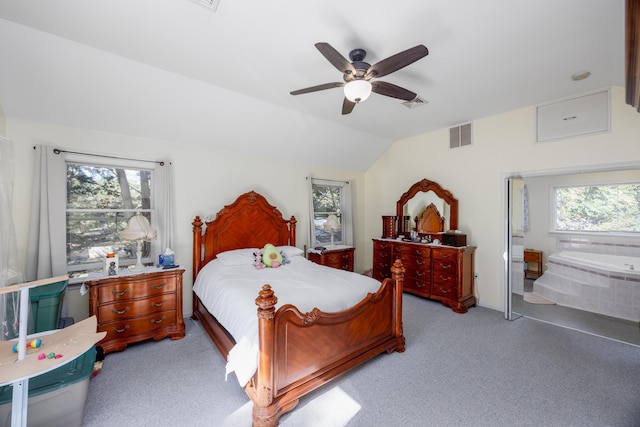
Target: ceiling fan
[(358, 75)]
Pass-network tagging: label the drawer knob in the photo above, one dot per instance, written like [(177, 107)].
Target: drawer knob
[(420, 285), (158, 304), (159, 286), (159, 320), (113, 310), (445, 290), (119, 331), (119, 294)]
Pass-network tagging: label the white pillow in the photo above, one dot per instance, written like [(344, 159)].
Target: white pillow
[(290, 251), (237, 256)]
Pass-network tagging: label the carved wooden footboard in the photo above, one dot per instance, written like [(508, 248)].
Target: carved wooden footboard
[(302, 351)]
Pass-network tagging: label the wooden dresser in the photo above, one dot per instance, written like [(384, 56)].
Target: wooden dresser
[(132, 308), (340, 257), (438, 272)]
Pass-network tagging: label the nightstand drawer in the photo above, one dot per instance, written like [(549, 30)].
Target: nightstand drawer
[(133, 327), (136, 289), (341, 258), (133, 308)]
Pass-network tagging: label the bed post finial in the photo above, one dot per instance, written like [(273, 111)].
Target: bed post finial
[(397, 273), (266, 303), (197, 245)]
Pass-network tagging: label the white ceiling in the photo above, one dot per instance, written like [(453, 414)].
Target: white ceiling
[(177, 71)]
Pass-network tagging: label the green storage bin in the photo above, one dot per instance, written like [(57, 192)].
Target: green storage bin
[(46, 306), (70, 373)]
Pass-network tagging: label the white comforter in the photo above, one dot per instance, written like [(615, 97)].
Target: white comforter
[(229, 293)]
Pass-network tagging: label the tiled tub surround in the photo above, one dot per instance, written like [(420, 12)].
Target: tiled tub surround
[(601, 283)]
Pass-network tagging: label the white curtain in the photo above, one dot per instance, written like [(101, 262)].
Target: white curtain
[(346, 208), (10, 265), (46, 249), (164, 208)]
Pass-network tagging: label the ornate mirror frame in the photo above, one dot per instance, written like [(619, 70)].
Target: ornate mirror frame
[(424, 186)]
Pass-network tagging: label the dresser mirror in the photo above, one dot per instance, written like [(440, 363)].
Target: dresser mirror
[(420, 196)]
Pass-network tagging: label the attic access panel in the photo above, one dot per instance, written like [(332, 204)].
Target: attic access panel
[(582, 115)]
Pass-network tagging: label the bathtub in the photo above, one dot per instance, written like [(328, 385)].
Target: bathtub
[(600, 283), (611, 263)]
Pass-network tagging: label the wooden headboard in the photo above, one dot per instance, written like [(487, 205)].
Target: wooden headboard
[(249, 222)]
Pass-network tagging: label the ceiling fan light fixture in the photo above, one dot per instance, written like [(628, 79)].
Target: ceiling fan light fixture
[(357, 90)]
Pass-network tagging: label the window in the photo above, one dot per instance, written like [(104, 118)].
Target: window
[(330, 198), (597, 208), (100, 200)]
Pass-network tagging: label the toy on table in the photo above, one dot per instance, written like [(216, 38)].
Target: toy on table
[(33, 344)]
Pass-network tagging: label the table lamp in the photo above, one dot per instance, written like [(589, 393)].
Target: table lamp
[(138, 230), (332, 224)]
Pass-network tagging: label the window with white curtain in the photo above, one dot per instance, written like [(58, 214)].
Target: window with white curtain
[(330, 198)]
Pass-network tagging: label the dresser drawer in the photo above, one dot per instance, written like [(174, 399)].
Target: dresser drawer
[(133, 308), (130, 328), (445, 265), (445, 254), (443, 290), (413, 250), (379, 245), (420, 283), (135, 289)]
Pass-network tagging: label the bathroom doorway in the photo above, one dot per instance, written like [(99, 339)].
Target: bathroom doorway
[(527, 226)]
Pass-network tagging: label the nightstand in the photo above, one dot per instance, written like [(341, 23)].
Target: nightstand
[(337, 256), (533, 263), (135, 307)]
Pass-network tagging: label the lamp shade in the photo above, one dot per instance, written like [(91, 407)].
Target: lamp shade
[(331, 224), (357, 90), (138, 228)]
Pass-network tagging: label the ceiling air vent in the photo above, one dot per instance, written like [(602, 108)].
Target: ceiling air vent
[(415, 102), (460, 136), (209, 4)]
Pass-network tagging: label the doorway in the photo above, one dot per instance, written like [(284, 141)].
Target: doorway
[(526, 214)]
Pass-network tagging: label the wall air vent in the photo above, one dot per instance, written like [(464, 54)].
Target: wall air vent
[(460, 136), (415, 102), (209, 4)]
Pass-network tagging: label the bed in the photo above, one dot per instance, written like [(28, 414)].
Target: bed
[(298, 351)]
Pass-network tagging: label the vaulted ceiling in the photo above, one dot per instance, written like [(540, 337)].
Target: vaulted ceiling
[(178, 71)]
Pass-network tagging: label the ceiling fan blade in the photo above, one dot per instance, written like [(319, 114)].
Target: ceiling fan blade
[(337, 60), (389, 89), (317, 88), (347, 106), (397, 61)]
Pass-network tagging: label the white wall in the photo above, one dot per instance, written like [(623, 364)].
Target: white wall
[(502, 145), (205, 181)]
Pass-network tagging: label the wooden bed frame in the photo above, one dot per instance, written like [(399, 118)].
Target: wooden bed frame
[(298, 351)]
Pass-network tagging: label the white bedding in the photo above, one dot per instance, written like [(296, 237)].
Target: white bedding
[(229, 293)]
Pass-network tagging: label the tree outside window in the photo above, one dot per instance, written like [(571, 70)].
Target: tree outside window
[(100, 200), (598, 208)]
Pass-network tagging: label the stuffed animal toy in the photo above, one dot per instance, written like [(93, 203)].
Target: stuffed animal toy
[(271, 257)]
